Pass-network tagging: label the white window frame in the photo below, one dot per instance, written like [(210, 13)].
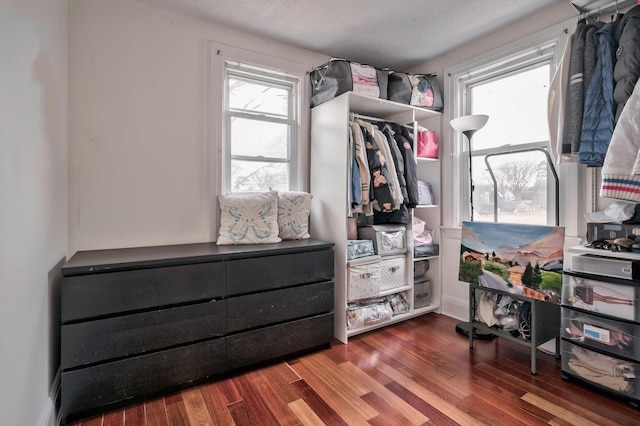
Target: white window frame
[(545, 45), (273, 79), (217, 149)]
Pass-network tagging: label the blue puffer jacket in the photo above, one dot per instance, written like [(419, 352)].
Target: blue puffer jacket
[(599, 107)]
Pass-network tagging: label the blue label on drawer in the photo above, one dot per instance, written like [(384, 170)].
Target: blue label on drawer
[(595, 333)]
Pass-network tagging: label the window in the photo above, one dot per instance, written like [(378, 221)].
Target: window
[(260, 122), (511, 166)]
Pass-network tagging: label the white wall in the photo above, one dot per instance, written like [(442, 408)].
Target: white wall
[(455, 293), (138, 118), (33, 203)]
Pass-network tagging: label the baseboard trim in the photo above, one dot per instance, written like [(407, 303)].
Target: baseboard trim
[(49, 416), (455, 308)]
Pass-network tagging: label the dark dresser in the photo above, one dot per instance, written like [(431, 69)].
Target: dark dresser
[(137, 322)]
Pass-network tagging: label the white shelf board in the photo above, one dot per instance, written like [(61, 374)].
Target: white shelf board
[(427, 206), (427, 160), (416, 259), (395, 290), (397, 318), (606, 253)]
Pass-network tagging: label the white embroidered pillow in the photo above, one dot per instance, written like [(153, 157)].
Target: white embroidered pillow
[(293, 215), (248, 218)]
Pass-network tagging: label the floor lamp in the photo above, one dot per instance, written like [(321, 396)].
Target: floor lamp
[(468, 125)]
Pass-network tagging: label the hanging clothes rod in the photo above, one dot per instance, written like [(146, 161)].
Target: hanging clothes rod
[(354, 115), (609, 7)]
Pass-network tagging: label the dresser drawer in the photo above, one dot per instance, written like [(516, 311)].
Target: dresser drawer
[(601, 370), (610, 298), (279, 340), (104, 294), (274, 306), (104, 384), (611, 336), (270, 272), (100, 340)]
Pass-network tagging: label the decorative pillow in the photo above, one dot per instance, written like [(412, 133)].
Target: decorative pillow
[(293, 215), (248, 218)]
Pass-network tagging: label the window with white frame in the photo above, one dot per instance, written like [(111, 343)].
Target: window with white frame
[(512, 170), (260, 129)]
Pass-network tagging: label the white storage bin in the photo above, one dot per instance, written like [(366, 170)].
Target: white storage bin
[(393, 272), (363, 278), (387, 239)]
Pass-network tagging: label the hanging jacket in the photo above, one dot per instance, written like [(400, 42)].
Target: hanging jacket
[(575, 92), (404, 143), (383, 146), (381, 190), (363, 166), (621, 169), (397, 158), (627, 68), (355, 189), (599, 107), (556, 103)]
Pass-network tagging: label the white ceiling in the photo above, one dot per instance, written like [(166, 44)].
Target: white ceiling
[(386, 33)]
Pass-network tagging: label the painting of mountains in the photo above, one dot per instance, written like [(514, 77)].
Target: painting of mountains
[(516, 258)]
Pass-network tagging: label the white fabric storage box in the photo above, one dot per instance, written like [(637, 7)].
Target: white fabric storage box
[(387, 239), (393, 271), (421, 293), (363, 278), (615, 337), (609, 298)]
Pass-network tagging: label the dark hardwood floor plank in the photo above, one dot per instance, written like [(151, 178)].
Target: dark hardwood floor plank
[(228, 391), (444, 406), (319, 406), (435, 416), (248, 386), (217, 408), (390, 415), (177, 414), (345, 403), (156, 413), (114, 418), (93, 421), (134, 415), (273, 399), (304, 413), (391, 400), (279, 384), (196, 408), (242, 416)]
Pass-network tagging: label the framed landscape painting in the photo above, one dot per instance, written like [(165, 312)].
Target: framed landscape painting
[(516, 258)]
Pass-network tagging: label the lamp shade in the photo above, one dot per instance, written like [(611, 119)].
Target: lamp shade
[(469, 123)]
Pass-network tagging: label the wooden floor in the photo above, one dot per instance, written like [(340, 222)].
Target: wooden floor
[(416, 372)]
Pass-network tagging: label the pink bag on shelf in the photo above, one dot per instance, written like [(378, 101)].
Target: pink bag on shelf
[(427, 144)]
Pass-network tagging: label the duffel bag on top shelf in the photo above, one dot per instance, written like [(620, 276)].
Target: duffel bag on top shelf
[(339, 76), (415, 89)]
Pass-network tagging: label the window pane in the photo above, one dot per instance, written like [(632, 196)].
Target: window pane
[(521, 180), (517, 108), (256, 97), (256, 176), (259, 138)]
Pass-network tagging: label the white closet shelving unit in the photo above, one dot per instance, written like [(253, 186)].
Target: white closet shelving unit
[(330, 208)]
